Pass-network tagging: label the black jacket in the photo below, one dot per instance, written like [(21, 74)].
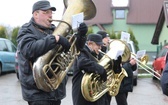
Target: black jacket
[(164, 80), (127, 82), (32, 43), (88, 64)]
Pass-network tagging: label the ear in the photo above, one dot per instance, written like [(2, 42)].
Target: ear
[(89, 42), (35, 14)]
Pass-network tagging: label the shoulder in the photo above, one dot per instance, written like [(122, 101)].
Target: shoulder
[(127, 65), (84, 52), (26, 24), (25, 27)]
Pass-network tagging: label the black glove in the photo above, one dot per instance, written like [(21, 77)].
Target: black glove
[(117, 64), (134, 67), (102, 72), (104, 76), (82, 29), (65, 43), (81, 36)]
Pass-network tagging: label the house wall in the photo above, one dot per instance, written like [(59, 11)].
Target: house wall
[(142, 32), (163, 39)]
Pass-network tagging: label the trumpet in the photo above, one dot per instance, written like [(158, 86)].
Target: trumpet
[(142, 63)]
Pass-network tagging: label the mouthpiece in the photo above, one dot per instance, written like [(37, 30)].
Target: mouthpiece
[(102, 52), (50, 20)]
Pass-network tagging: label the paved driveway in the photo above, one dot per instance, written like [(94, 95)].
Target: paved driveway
[(147, 92)]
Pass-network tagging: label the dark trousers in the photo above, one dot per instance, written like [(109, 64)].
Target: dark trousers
[(109, 98), (44, 102), (121, 98)]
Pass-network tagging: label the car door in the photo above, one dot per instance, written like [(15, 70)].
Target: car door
[(7, 55), (159, 62)]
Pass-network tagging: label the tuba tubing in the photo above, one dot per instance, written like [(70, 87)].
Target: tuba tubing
[(48, 69), (113, 91)]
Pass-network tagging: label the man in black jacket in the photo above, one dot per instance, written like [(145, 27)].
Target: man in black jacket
[(105, 39), (164, 78), (86, 63), (34, 40), (127, 82)]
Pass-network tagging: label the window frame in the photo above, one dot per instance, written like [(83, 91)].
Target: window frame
[(118, 15)]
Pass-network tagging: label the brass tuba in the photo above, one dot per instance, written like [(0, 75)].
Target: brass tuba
[(92, 87), (50, 69)]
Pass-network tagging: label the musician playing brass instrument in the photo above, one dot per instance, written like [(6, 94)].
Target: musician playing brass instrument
[(105, 39), (35, 39), (164, 78), (86, 63), (127, 82)]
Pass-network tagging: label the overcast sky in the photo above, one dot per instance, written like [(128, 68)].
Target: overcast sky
[(16, 12)]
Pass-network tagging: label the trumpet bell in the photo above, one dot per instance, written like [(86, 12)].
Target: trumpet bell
[(144, 59)]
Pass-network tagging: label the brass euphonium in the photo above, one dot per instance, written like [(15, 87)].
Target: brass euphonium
[(92, 87), (50, 69)]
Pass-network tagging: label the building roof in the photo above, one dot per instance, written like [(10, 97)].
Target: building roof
[(162, 17), (103, 14), (139, 12), (144, 11)]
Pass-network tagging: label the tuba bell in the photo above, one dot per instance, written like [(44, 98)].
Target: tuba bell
[(50, 69), (92, 87)]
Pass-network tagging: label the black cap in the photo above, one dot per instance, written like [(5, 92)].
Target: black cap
[(103, 34), (95, 38), (42, 5)]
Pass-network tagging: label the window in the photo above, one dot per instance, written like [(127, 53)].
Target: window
[(163, 52), (11, 47), (120, 14), (3, 46), (6, 45)]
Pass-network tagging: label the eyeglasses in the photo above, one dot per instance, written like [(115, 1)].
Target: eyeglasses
[(47, 12)]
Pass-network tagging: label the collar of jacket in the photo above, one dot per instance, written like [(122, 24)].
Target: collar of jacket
[(87, 48), (91, 52)]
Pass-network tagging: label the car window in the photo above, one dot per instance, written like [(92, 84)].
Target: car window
[(11, 47), (163, 52), (3, 46), (132, 47), (129, 45)]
